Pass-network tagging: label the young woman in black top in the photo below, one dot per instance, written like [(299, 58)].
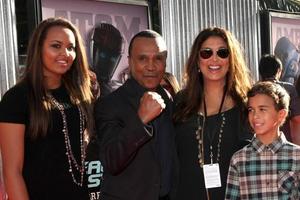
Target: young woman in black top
[(46, 117)]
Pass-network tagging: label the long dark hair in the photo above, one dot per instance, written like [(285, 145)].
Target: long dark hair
[(76, 80), (237, 80)]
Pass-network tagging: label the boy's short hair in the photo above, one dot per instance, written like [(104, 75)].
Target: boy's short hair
[(269, 66), (279, 95)]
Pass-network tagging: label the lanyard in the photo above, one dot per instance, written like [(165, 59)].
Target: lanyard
[(215, 128)]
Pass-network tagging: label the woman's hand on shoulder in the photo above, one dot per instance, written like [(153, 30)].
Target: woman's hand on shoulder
[(95, 87)]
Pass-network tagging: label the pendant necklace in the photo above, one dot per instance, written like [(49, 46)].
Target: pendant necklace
[(74, 166)]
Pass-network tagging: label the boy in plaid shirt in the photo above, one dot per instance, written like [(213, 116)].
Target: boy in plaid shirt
[(269, 167)]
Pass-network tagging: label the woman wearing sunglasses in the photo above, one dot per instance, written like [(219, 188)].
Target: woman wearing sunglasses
[(209, 115)]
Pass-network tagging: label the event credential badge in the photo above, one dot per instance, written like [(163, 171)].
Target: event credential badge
[(212, 175)]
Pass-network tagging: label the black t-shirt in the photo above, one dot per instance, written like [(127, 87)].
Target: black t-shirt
[(46, 169)]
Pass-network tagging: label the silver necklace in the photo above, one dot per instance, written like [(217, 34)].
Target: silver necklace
[(73, 164), (199, 138)]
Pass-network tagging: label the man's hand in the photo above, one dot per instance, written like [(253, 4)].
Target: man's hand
[(151, 105)]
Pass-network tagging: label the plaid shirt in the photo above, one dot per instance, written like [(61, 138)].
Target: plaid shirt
[(261, 171)]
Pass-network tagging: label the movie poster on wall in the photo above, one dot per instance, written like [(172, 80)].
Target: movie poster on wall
[(285, 43), (106, 29)]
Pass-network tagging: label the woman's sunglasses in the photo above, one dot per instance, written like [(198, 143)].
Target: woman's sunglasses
[(207, 53)]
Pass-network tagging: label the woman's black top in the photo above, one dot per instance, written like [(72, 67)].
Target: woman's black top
[(45, 169), (191, 184)]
